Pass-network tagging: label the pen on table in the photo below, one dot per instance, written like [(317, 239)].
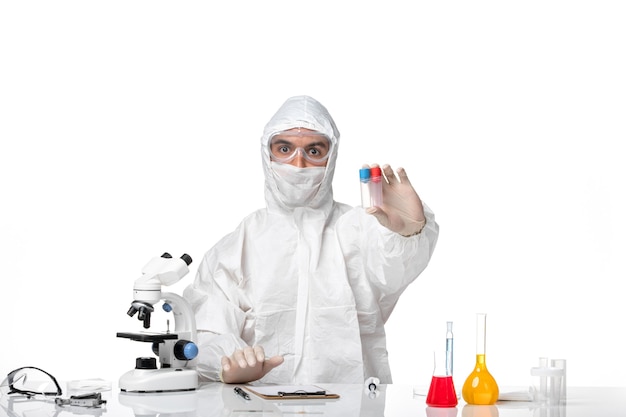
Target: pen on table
[(242, 393)]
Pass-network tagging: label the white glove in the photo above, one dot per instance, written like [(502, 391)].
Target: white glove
[(402, 211), (247, 365)]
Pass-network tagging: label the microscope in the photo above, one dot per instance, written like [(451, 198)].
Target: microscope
[(176, 351)]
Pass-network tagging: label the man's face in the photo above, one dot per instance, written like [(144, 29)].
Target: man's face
[(300, 147)]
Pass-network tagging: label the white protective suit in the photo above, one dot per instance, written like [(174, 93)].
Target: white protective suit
[(315, 283)]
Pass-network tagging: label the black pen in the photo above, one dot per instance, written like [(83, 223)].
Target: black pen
[(242, 393)]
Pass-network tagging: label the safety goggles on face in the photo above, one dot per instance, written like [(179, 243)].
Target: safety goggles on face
[(315, 147), (30, 381)]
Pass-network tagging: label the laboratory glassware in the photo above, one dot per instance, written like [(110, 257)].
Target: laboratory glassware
[(371, 187), (480, 387), (376, 186), (449, 348), (561, 364), (441, 392), (364, 176), (551, 386)]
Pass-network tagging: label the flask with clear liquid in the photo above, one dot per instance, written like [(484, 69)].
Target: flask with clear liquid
[(480, 387)]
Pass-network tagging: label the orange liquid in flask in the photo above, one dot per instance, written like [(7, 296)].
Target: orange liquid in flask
[(480, 387)]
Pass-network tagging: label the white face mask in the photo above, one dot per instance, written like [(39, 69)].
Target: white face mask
[(297, 186)]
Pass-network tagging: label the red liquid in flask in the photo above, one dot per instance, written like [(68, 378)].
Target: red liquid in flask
[(441, 392)]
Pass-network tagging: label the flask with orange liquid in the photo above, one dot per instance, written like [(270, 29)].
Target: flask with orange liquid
[(480, 387)]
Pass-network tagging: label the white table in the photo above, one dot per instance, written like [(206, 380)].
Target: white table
[(215, 399)]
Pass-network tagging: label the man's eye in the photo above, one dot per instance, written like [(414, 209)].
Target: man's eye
[(283, 149)]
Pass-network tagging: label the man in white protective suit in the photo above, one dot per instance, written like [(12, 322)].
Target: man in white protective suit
[(300, 292)]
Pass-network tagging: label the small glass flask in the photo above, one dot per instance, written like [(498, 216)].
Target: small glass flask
[(480, 388), (441, 392)]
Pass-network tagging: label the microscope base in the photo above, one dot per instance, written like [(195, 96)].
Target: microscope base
[(159, 380)]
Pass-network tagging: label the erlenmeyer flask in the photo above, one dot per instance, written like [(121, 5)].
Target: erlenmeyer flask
[(441, 392), (480, 388)]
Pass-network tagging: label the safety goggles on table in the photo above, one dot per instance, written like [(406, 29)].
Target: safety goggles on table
[(30, 381), (34, 385)]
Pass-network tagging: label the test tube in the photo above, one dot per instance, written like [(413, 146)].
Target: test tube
[(449, 348), (561, 364), (541, 394), (543, 379), (376, 186), (364, 174)]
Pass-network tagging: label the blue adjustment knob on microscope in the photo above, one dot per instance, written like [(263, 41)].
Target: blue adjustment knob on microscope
[(185, 350)]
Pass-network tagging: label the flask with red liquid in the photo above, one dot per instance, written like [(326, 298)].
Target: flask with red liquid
[(441, 392)]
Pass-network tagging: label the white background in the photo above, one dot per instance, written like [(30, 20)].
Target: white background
[(130, 128)]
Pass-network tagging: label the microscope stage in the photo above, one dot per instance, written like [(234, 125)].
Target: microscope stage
[(148, 337)]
